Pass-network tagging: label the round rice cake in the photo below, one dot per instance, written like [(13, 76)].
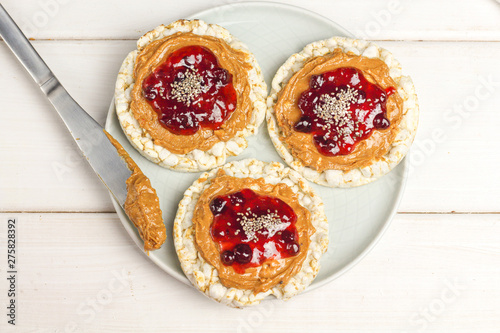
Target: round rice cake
[(283, 252), (341, 112), (164, 115)]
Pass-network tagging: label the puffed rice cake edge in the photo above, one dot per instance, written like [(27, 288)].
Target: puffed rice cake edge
[(407, 127), (196, 160), (205, 277)]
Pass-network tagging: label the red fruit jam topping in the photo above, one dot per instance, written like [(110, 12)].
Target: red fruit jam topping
[(251, 228), (340, 109), (190, 90)]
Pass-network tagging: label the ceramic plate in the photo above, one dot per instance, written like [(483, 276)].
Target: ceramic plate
[(357, 217)]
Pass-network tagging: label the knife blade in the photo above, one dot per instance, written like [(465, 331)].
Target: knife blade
[(88, 134)]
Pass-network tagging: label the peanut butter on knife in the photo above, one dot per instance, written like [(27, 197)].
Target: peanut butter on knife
[(142, 205)]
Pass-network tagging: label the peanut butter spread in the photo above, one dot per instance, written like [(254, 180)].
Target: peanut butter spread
[(271, 272), (301, 145), (142, 205), (234, 61)]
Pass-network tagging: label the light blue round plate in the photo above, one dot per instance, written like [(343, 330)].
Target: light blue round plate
[(358, 217)]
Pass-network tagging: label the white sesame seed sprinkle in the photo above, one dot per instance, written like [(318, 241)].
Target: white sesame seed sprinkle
[(252, 223), (334, 109), (188, 88)]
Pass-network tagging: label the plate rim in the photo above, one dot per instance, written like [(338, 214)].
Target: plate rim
[(131, 230), (274, 4)]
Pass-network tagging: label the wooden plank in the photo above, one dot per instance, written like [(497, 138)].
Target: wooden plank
[(453, 156), (41, 169), (435, 272), (41, 165), (382, 20)]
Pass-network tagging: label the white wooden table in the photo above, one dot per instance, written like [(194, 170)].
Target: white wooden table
[(437, 269)]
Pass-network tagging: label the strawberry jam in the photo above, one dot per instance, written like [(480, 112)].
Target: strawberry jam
[(190, 90), (340, 109), (251, 228)]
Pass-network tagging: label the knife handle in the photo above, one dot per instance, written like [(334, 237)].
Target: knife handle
[(76, 119), (88, 134), (15, 39), (22, 48)]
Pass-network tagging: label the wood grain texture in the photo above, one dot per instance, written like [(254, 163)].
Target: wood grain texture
[(453, 153), (81, 272), (442, 267), (381, 20)]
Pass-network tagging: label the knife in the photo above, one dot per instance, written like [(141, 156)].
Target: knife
[(88, 134)]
